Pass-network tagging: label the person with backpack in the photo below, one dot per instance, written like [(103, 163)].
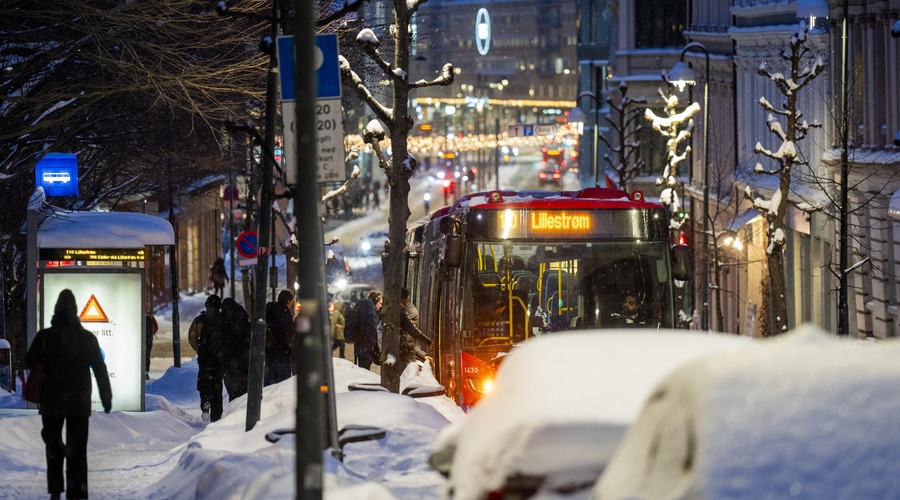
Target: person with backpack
[(205, 336), (279, 338)]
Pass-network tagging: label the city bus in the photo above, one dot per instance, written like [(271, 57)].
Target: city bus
[(497, 268)]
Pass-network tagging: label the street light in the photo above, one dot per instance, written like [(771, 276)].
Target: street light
[(680, 76), (592, 96)]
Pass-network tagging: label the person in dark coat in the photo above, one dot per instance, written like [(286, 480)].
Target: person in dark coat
[(632, 313), (366, 350), (279, 338), (69, 353), (236, 348), (210, 346), (217, 277), (150, 327)]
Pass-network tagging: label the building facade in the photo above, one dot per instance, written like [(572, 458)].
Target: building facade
[(740, 36)]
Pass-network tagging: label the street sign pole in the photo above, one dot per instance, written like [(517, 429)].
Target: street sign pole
[(256, 374), (309, 324)]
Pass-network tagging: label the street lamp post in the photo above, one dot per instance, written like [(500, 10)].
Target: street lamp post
[(592, 96), (680, 76)]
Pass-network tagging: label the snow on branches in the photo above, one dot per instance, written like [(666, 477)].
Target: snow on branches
[(786, 124), (676, 127), (624, 121)]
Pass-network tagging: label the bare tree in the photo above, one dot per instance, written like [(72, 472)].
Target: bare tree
[(626, 126), (398, 167), (126, 86), (783, 161)]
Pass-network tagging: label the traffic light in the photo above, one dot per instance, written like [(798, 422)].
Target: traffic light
[(682, 239)]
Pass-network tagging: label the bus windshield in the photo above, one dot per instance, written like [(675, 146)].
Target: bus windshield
[(519, 289)]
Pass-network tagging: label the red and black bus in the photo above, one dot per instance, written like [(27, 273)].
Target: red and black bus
[(497, 268)]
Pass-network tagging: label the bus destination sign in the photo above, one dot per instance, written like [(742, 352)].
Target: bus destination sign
[(93, 254), (578, 224)]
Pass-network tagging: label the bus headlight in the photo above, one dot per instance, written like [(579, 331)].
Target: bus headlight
[(481, 385)]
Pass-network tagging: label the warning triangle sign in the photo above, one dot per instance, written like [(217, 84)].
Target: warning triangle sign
[(92, 312)]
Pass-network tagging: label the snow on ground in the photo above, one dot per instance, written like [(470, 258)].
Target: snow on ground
[(168, 452)]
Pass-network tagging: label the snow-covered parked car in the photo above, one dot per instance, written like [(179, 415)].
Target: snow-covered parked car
[(806, 415), (560, 405)]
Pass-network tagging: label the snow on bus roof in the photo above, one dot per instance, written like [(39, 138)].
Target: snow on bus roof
[(587, 195), (65, 229)]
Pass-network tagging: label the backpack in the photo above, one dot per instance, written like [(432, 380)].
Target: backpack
[(352, 330)]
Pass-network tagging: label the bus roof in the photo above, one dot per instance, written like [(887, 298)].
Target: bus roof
[(585, 198)]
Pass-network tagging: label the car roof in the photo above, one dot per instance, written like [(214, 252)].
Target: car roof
[(804, 412), (562, 402)]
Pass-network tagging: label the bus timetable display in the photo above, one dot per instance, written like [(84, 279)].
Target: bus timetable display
[(606, 224), (93, 254)]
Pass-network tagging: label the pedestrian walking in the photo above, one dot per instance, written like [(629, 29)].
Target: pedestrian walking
[(217, 277), (366, 349), (376, 195), (337, 328), (205, 336), (69, 353), (236, 348), (279, 338)]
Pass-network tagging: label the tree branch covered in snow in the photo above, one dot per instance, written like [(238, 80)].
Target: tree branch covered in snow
[(445, 78), (783, 160), (626, 126), (676, 127)]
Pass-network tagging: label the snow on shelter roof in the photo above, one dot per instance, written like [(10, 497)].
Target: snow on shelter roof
[(64, 229)]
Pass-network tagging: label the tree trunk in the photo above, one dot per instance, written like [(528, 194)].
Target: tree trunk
[(778, 299), (398, 179)]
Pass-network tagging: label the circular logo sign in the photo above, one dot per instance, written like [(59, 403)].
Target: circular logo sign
[(483, 31)]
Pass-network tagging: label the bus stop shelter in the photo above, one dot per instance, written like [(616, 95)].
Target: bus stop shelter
[(101, 257)]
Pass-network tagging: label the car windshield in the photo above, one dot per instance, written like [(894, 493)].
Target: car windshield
[(522, 289)]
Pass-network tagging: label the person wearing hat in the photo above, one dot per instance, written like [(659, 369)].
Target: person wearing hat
[(410, 334), (205, 336), (411, 310), (69, 353)]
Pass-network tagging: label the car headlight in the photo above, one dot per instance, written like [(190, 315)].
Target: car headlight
[(341, 283), (365, 246)]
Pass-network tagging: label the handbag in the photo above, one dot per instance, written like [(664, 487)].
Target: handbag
[(35, 381)]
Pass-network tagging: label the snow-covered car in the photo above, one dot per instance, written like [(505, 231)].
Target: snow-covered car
[(805, 415), (373, 242), (560, 405)]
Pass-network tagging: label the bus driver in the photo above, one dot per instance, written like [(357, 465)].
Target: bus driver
[(631, 314)]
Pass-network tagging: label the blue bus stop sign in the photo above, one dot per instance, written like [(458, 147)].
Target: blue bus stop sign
[(328, 74), (57, 173)]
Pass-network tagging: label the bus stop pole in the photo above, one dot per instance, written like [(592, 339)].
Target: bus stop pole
[(309, 324)]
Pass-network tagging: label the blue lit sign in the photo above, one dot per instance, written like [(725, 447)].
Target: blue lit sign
[(57, 173)]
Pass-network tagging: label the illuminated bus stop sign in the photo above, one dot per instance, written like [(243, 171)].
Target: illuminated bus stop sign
[(57, 173)]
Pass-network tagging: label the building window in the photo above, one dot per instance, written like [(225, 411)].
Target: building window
[(659, 23)]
